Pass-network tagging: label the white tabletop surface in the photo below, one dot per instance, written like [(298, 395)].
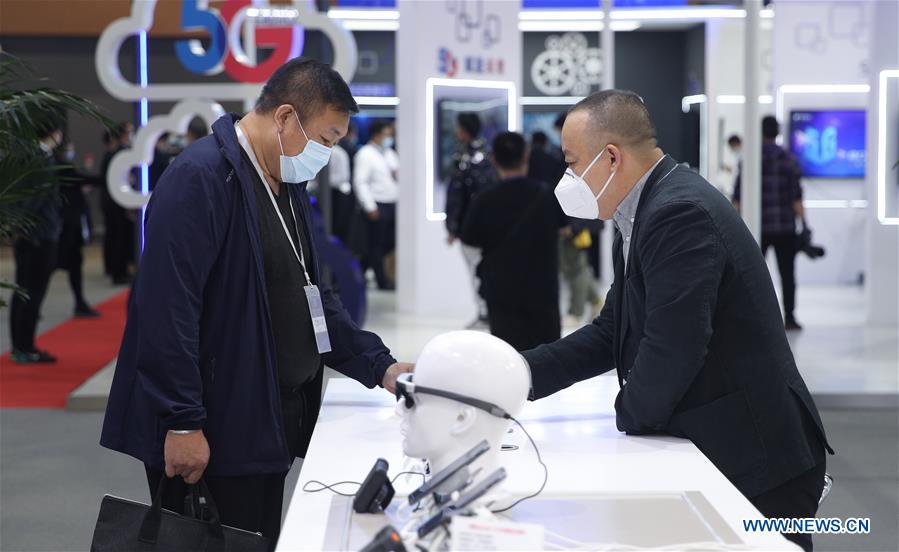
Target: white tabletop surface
[(575, 430)]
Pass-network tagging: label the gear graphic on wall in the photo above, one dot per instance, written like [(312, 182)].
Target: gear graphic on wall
[(567, 66)]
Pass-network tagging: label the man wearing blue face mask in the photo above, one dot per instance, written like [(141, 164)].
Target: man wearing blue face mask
[(220, 369), (691, 323)]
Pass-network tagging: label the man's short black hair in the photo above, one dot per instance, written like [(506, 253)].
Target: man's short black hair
[(620, 116), (539, 139), (560, 120), (734, 140), (309, 86), (377, 126), (508, 150), (770, 127), (110, 135), (470, 123), (197, 128)]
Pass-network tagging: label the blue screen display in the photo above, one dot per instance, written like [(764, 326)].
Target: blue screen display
[(829, 144)]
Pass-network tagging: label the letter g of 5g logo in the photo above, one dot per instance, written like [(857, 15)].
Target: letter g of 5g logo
[(225, 50)]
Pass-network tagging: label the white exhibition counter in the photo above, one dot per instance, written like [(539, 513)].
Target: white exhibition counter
[(587, 457)]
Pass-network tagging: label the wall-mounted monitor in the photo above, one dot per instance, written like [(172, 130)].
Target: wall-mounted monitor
[(829, 143), (496, 104), (494, 115), (542, 121)]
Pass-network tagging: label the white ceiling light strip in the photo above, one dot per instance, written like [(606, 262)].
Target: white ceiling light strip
[(549, 20), (377, 100)]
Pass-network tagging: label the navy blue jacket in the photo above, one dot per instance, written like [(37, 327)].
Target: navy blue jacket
[(693, 327), (198, 350)]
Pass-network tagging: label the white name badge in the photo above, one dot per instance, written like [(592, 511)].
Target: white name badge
[(319, 324)]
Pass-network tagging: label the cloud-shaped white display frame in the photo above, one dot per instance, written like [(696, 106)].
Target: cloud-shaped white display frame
[(106, 58), (142, 150)]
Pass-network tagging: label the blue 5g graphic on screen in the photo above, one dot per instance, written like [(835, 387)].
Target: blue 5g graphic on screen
[(821, 147), (829, 144)]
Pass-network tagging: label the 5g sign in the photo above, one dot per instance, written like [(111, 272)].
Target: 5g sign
[(280, 28), (235, 31), (277, 29)]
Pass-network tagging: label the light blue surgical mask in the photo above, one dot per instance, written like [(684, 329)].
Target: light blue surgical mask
[(387, 142), (306, 164)]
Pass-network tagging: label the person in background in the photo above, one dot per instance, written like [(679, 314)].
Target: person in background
[(575, 243), (516, 226), (162, 156), (118, 240), (75, 226), (735, 145), (470, 174), (355, 235), (547, 165), (196, 130), (375, 183), (126, 133), (781, 206), (343, 201), (111, 144), (35, 256), (350, 143)]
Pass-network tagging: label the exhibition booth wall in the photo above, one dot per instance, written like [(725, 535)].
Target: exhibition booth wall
[(814, 56)]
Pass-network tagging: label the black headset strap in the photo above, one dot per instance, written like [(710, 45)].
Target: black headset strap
[(477, 403)]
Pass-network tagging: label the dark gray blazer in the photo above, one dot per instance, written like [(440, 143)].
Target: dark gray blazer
[(694, 329)]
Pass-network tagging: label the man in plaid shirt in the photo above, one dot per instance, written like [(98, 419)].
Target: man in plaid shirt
[(781, 205)]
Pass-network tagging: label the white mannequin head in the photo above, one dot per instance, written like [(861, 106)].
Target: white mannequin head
[(473, 364)]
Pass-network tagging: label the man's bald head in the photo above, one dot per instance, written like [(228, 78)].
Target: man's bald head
[(618, 116)]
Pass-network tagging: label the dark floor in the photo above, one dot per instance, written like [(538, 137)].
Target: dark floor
[(53, 475)]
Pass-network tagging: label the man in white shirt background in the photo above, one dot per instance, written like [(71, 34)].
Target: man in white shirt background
[(342, 200), (375, 184)]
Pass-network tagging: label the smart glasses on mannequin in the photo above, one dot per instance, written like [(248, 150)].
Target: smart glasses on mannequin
[(406, 391)]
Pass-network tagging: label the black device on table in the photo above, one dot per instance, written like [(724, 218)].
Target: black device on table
[(387, 540), (453, 508), (376, 491)]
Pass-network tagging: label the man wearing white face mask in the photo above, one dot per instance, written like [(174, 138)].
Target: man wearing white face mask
[(229, 325), (691, 323)]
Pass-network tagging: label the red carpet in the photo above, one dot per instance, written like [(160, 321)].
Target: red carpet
[(83, 346)]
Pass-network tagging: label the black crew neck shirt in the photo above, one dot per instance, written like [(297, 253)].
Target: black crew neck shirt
[(297, 355)]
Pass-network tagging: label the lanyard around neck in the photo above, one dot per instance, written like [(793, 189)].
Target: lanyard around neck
[(244, 142)]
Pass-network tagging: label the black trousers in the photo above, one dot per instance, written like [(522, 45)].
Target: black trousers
[(381, 240), (343, 208), (249, 502), (119, 240), (70, 257), (797, 498), (523, 329), (35, 262), (785, 251)]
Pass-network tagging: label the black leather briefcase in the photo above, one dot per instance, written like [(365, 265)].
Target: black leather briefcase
[(125, 525)]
